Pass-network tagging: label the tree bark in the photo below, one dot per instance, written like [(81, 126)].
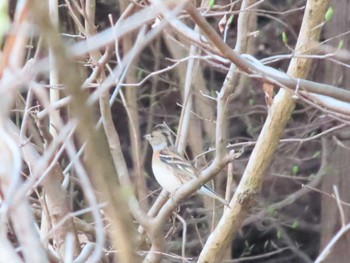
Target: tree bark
[(337, 173), (267, 143)]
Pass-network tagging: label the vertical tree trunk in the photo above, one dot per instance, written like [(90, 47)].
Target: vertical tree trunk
[(337, 173)]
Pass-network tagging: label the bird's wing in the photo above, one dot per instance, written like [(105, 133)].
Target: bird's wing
[(179, 165)]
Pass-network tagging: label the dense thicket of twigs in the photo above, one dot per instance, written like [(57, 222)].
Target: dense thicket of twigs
[(83, 81)]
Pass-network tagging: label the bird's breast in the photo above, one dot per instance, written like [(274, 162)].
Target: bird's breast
[(166, 177)]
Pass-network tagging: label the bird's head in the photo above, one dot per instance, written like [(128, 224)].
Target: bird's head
[(160, 137)]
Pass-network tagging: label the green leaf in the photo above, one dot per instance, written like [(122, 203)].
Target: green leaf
[(312, 133), (317, 154), (266, 244), (341, 44), (284, 38), (295, 224), (4, 19), (329, 14), (271, 211), (279, 234), (139, 74), (251, 102), (229, 21), (295, 169), (211, 3)]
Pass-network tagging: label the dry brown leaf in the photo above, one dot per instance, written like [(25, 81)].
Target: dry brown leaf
[(268, 89)]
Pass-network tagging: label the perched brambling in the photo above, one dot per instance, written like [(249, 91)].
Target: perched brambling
[(169, 168)]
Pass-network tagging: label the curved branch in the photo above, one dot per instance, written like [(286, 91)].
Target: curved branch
[(267, 143), (267, 73)]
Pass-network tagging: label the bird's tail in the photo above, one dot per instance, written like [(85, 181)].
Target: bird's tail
[(205, 190)]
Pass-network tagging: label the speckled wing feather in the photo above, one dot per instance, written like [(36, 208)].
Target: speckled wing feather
[(184, 170)]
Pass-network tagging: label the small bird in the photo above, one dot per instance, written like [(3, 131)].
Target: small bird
[(169, 168)]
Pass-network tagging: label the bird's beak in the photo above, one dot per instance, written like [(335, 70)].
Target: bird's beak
[(147, 136)]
